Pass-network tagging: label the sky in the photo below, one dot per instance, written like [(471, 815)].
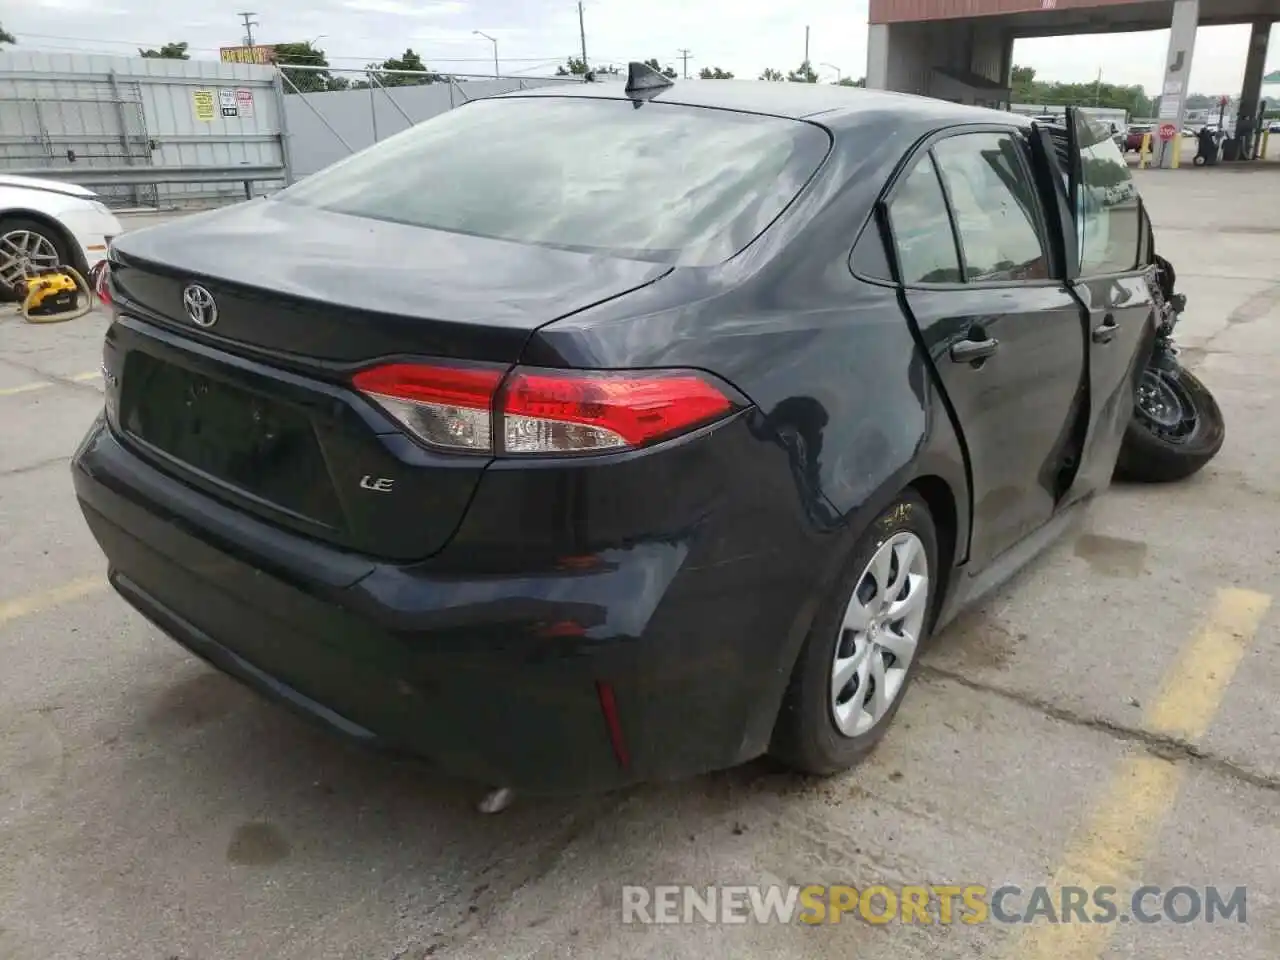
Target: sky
[(744, 36)]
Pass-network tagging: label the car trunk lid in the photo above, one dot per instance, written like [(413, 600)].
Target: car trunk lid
[(325, 287), (257, 409)]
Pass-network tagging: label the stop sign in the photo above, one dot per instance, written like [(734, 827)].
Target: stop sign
[(1168, 131)]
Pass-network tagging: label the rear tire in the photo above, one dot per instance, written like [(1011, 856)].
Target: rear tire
[(1162, 452), (49, 247), (820, 729)]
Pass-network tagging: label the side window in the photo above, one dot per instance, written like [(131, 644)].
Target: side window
[(922, 230), (1107, 217), (870, 256), (995, 207)]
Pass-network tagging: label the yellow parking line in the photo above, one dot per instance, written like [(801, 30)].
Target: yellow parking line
[(25, 388), (82, 377), (47, 599), (1109, 848), (1194, 685)]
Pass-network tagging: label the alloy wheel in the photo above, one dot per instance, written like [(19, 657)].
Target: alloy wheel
[(879, 634), (23, 253)]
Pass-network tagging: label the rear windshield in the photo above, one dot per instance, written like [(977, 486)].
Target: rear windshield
[(653, 181)]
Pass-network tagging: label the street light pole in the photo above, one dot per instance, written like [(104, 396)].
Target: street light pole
[(481, 33)]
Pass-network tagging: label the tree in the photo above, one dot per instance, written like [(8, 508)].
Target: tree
[(715, 73), (850, 82), (409, 60), (6, 36), (804, 74), (573, 67), (304, 54), (1089, 93), (170, 51), (668, 71), (772, 75)]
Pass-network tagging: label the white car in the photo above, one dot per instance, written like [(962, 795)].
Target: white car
[(44, 223)]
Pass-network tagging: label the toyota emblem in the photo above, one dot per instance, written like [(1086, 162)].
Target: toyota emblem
[(201, 308)]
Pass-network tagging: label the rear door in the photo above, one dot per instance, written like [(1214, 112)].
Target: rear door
[(1113, 287), (1003, 331)]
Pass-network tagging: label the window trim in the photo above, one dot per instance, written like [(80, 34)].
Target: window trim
[(1055, 198), (907, 166), (951, 216)]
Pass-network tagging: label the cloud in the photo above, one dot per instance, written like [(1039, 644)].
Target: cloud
[(534, 35), (399, 8)]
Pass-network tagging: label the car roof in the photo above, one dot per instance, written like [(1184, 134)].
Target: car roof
[(833, 105)]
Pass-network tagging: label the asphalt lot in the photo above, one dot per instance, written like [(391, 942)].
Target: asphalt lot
[(1109, 717)]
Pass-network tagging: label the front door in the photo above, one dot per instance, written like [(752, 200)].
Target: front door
[(1005, 336), (1112, 285)]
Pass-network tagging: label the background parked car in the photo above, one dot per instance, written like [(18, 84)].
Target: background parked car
[(44, 223), (1135, 134)]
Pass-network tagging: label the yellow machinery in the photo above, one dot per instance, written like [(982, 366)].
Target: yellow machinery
[(54, 295)]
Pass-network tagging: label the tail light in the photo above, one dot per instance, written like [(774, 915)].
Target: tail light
[(540, 411), (447, 407), (99, 279)]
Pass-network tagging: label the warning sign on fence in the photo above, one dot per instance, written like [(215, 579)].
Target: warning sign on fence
[(227, 101), (203, 101), (244, 101)]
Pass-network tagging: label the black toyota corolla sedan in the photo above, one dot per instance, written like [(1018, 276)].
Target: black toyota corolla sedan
[(597, 434)]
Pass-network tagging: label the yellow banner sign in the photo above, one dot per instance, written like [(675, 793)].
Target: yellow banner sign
[(264, 54), (203, 101)]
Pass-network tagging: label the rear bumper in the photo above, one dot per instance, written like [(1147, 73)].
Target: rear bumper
[(492, 678), (92, 229)]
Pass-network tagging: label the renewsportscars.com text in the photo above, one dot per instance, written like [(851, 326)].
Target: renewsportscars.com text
[(930, 904)]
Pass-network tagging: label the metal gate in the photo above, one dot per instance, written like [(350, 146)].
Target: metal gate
[(143, 131), (97, 123)]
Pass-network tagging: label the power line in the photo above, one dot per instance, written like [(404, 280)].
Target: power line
[(362, 58)]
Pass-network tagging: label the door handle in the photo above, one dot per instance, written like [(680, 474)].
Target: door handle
[(968, 351), (1107, 330)]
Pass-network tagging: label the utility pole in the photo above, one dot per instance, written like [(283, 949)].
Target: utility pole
[(806, 44), (1097, 89), (685, 55), (249, 24), (582, 32)]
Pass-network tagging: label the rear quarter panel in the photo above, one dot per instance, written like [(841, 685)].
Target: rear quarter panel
[(829, 362)]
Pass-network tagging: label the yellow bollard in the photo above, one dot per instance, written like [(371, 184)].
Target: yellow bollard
[(1266, 141), (1144, 151), (1176, 146)]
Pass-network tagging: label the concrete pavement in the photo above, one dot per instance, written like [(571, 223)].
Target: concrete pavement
[(1109, 715)]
